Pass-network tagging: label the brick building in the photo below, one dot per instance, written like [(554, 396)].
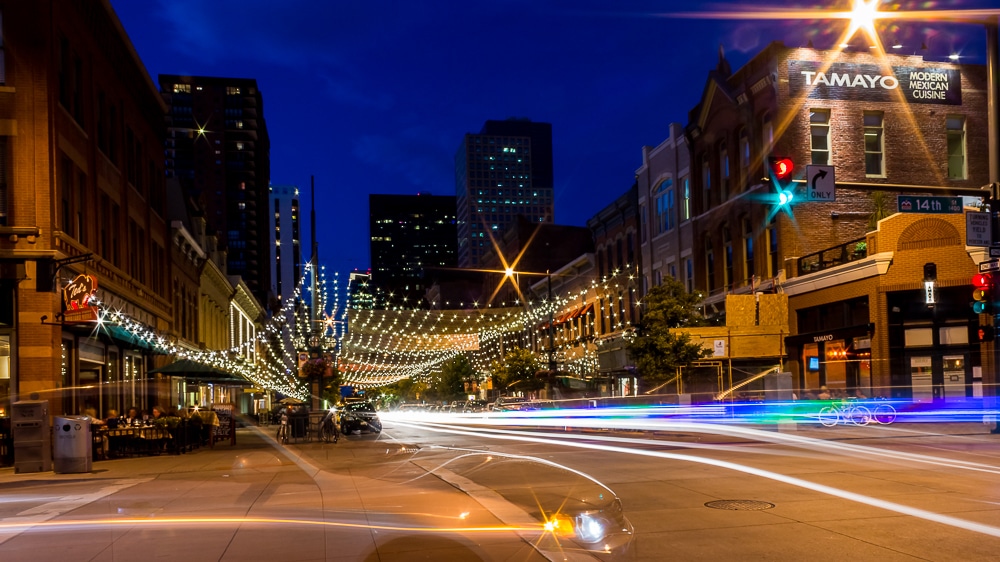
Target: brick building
[(616, 246), (898, 126), (81, 136)]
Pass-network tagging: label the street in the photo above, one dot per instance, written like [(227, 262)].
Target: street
[(453, 489)]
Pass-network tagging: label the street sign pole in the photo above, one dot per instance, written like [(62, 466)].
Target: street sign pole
[(990, 350)]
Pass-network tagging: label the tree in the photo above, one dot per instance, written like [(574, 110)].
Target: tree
[(517, 372), (880, 209), (655, 349), (455, 373)]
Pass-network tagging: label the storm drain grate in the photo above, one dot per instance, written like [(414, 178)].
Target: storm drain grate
[(739, 505)]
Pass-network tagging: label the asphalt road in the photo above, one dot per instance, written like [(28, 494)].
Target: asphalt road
[(437, 490)]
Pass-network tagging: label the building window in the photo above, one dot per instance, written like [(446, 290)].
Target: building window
[(768, 134), (706, 183), (955, 124), (3, 181), (723, 173), (819, 125), (874, 144), (689, 275), (709, 265), (748, 266), (744, 158), (772, 250), (686, 205), (664, 206), (232, 90), (727, 239), (182, 88)]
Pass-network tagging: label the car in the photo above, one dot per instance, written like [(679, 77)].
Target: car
[(359, 417), (508, 403), (475, 406)]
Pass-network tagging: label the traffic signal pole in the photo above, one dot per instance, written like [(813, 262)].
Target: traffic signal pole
[(990, 351)]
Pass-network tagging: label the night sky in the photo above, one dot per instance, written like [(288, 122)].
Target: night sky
[(375, 97)]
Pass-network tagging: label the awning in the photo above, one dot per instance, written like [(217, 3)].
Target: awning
[(194, 371)]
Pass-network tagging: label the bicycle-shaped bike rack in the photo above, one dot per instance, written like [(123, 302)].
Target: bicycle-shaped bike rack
[(854, 413)]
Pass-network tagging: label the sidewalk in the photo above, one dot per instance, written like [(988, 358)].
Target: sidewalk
[(255, 500)]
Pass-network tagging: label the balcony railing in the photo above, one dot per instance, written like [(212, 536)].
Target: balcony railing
[(832, 257)]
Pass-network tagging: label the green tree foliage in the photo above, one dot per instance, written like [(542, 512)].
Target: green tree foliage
[(880, 209), (517, 372), (455, 373), (656, 351)]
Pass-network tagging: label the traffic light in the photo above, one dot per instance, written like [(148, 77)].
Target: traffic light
[(780, 170), (982, 293), (986, 333)]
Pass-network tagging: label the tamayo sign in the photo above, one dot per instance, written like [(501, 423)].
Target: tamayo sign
[(870, 82)]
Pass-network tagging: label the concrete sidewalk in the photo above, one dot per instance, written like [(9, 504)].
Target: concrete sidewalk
[(255, 500)]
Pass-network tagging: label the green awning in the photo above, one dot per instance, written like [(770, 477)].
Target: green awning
[(195, 371)]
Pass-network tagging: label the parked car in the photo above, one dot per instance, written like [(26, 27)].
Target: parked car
[(359, 417), (508, 403), (474, 406)]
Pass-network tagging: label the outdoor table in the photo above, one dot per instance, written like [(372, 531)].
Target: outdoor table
[(136, 439)]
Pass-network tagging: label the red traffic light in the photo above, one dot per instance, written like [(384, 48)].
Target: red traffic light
[(782, 168), (986, 333), (982, 280)]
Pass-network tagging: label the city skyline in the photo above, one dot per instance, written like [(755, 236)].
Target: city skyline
[(366, 114)]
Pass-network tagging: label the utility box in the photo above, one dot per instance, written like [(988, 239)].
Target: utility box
[(72, 445), (778, 386), (29, 426)]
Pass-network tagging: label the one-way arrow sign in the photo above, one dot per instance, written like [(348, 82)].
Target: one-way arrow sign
[(820, 183)]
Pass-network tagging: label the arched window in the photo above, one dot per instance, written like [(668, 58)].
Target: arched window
[(664, 196)]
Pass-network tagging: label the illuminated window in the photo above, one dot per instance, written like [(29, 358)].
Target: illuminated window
[(232, 90), (819, 125), (874, 144), (955, 124), (182, 88), (665, 206), (686, 203)]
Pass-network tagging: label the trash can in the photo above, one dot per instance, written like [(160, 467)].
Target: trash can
[(32, 436), (72, 445), (299, 423)]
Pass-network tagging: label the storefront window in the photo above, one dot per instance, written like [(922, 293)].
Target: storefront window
[(810, 362), (4, 375), (836, 366)]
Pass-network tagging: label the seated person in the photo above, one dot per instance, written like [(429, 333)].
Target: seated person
[(111, 419), (132, 418)]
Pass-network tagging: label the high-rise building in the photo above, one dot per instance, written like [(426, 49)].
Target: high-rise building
[(218, 147), (501, 173), (359, 294), (284, 221), (408, 234)]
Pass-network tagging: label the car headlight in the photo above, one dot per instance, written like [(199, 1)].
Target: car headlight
[(589, 528)]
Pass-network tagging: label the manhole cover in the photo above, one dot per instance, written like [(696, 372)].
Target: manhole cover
[(739, 505)]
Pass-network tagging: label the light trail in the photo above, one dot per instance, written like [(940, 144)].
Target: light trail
[(196, 521), (595, 421), (790, 480)]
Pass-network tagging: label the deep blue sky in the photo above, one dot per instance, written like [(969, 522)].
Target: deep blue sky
[(374, 97)]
